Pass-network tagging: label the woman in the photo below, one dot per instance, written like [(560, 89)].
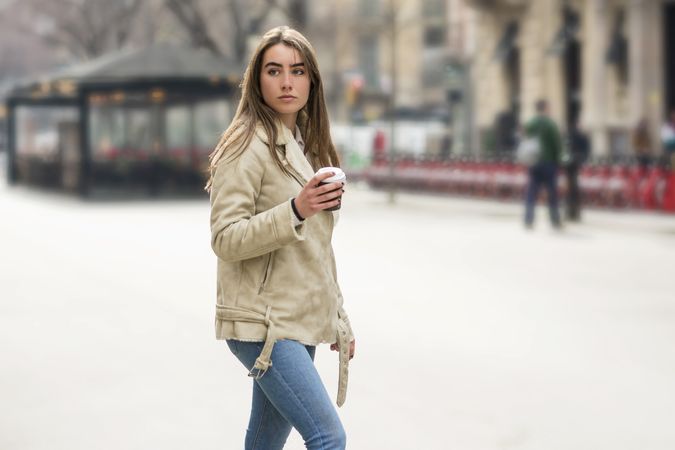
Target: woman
[(278, 296)]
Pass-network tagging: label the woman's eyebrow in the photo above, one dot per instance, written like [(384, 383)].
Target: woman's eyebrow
[(276, 64)]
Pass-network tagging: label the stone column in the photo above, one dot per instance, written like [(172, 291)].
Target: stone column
[(636, 59), (645, 35), (596, 35), (654, 63), (554, 70)]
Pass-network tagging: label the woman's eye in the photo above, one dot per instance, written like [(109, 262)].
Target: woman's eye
[(273, 72), (299, 72)]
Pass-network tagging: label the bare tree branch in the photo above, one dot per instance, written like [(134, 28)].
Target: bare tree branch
[(256, 21), (124, 19), (189, 15), (85, 28), (240, 31), (244, 19)]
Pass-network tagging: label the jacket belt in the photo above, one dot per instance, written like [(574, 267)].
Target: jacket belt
[(343, 344), (234, 314), (263, 362)]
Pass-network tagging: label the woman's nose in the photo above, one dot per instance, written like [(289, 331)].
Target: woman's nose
[(286, 81)]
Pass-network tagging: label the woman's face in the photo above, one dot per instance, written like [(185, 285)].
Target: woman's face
[(284, 82)]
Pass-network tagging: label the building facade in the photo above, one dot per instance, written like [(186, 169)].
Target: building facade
[(601, 63), (384, 55)]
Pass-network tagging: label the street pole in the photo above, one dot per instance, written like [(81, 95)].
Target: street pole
[(392, 102)]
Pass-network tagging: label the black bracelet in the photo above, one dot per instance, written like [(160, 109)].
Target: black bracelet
[(295, 211)]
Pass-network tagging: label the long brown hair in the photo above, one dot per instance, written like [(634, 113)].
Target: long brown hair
[(252, 110)]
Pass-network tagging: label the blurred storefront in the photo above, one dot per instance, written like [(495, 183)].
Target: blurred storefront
[(143, 119), (602, 63)]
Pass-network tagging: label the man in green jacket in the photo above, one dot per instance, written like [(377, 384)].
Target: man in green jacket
[(544, 173)]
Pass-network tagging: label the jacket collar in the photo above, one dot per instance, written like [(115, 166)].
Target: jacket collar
[(283, 133), (291, 155)]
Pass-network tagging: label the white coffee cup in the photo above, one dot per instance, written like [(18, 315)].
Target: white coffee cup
[(339, 177)]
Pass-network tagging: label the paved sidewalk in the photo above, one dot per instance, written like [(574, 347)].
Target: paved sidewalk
[(472, 333)]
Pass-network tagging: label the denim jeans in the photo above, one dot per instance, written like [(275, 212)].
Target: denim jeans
[(542, 174), (290, 394)]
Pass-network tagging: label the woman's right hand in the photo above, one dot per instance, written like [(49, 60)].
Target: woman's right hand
[(314, 198)]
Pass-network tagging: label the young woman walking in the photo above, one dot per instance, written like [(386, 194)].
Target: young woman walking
[(278, 295)]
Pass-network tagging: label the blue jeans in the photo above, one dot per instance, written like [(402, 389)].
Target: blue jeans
[(543, 174), (290, 394)]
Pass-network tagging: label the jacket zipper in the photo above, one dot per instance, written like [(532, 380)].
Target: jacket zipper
[(266, 274)]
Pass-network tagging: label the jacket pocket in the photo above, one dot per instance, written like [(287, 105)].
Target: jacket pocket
[(266, 272)]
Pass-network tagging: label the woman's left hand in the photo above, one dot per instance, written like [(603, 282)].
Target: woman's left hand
[(352, 348)]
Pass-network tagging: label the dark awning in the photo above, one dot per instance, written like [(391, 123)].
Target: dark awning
[(507, 43)]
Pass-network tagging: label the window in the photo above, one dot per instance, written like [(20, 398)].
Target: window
[(433, 8), (368, 61), (140, 129), (106, 137), (369, 8), (178, 134), (211, 119), (38, 129), (617, 52), (434, 36), (433, 69)]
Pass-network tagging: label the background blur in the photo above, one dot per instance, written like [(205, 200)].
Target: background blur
[(472, 332), (131, 92)]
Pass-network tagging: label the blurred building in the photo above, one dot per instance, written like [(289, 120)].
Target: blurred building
[(604, 63), (414, 52), (143, 119)]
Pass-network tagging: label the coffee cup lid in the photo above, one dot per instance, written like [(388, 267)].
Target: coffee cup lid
[(339, 174)]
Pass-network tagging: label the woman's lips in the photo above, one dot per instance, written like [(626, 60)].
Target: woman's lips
[(287, 98)]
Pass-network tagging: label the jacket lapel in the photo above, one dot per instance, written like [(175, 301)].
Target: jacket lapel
[(296, 159), (291, 156)]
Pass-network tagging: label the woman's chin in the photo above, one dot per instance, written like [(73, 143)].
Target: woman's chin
[(286, 109)]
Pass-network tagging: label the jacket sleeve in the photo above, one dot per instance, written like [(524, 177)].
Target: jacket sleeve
[(238, 230), (342, 314)]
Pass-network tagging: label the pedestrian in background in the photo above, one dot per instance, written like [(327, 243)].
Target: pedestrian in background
[(579, 150), (642, 145), (668, 139), (278, 296), (544, 172), (379, 147)]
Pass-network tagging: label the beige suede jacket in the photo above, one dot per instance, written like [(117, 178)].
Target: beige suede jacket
[(275, 280)]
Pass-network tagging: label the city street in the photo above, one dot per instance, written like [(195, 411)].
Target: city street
[(472, 332)]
